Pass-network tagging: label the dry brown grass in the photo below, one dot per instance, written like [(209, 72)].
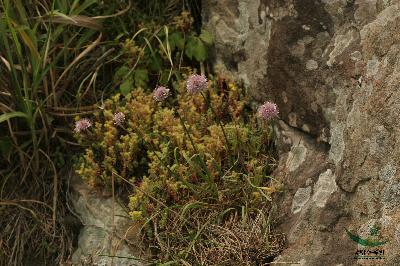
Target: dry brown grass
[(32, 233), (239, 242), (205, 237)]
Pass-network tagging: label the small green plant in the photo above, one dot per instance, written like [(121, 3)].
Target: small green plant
[(194, 157), (156, 53)]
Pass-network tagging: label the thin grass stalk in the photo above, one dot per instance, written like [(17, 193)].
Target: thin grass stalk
[(55, 191), (203, 164), (218, 121), (187, 132), (27, 100)]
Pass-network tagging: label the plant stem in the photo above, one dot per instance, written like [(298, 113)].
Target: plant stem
[(187, 132), (218, 121)]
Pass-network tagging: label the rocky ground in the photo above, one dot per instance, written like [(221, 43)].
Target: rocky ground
[(333, 68)]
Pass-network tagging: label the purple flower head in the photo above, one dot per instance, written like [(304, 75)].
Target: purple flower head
[(196, 83), (82, 124), (119, 118), (268, 111), (160, 93)]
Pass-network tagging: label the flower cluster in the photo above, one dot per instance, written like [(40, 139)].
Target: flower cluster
[(82, 125), (119, 118), (160, 93), (268, 111), (196, 83)]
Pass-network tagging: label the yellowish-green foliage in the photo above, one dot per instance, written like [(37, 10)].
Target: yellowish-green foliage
[(152, 150)]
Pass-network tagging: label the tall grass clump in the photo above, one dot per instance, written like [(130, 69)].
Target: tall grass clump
[(55, 62), (44, 48), (193, 163)]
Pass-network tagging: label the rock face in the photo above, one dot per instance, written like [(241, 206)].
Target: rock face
[(333, 68), (106, 231)]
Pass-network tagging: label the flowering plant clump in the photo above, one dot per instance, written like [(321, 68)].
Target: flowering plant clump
[(160, 93), (119, 118), (175, 161), (196, 83), (82, 125), (268, 111)]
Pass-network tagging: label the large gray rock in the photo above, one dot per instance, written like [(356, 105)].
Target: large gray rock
[(333, 68), (108, 236)]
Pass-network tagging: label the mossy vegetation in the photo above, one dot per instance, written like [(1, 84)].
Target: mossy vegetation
[(185, 181)]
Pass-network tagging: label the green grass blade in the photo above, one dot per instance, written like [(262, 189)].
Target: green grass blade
[(7, 116)]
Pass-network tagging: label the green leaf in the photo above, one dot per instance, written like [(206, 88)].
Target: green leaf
[(222, 214), (84, 6), (126, 87), (29, 41), (6, 116), (190, 205), (176, 40), (141, 78), (200, 51), (206, 37), (196, 48), (191, 43), (120, 73), (155, 62)]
